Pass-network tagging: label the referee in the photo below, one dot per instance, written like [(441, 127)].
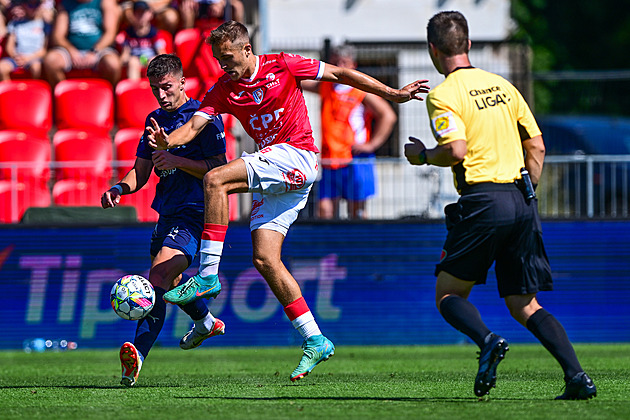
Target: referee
[(482, 125)]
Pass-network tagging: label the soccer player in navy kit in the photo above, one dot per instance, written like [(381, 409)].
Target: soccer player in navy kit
[(179, 202)]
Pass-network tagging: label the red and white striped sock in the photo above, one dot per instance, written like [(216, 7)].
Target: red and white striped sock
[(302, 318), (211, 248)]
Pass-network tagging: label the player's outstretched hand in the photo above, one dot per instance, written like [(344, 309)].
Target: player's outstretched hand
[(413, 149), (158, 139), (413, 91), (110, 198)]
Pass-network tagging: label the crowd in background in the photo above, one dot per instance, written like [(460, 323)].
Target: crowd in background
[(51, 39)]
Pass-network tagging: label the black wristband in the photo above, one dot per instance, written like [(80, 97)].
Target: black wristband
[(423, 157)]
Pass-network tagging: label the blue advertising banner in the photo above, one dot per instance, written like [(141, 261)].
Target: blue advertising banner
[(365, 284)]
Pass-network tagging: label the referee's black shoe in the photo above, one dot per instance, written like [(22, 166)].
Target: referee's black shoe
[(489, 358), (580, 387)]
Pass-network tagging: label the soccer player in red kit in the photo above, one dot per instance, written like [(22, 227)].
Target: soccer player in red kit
[(264, 93)]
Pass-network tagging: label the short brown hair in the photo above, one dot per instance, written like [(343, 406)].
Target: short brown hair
[(232, 31), (448, 32)]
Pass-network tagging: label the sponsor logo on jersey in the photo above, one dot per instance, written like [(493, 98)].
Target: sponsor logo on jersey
[(444, 123), (271, 77)]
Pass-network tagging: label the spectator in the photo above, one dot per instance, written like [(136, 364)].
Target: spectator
[(141, 41), (212, 12), (83, 34), (165, 13), (349, 140), (26, 41)]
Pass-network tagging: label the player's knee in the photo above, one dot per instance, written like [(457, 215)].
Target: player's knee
[(212, 181)]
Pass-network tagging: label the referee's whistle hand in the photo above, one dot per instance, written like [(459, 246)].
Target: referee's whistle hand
[(413, 149)]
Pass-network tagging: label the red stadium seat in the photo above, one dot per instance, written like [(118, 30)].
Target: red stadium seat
[(142, 200), (16, 197), (26, 105), (29, 153), (82, 155), (194, 88), (134, 101), (126, 143), (78, 192), (86, 104), (196, 55)]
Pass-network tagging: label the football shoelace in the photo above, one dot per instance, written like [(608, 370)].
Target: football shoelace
[(190, 284)]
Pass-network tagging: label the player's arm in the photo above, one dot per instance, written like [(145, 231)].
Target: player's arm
[(310, 86), (165, 160), (534, 157), (158, 139), (447, 154), (133, 181), (384, 120), (369, 84)]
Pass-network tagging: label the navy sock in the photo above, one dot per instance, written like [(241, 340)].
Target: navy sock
[(196, 310), (464, 317), (550, 332), (150, 326)]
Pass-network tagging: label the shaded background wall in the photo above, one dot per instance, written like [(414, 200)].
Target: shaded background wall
[(365, 283)]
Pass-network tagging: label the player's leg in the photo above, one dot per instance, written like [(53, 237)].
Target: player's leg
[(165, 267), (468, 253), (267, 245), (550, 332), (522, 271), (218, 184)]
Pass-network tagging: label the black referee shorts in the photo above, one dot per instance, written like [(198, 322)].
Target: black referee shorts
[(494, 223)]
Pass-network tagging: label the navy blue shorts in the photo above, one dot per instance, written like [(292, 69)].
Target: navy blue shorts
[(493, 223), (181, 231), (355, 182)]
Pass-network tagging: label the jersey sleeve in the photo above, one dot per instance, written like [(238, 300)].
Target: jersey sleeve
[(527, 126), (144, 151), (213, 140), (212, 104), (446, 123), (304, 68)]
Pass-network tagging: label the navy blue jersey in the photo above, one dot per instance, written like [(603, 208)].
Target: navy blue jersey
[(178, 190)]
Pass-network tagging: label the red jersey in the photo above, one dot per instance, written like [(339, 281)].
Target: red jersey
[(270, 105)]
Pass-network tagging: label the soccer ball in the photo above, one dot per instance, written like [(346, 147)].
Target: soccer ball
[(132, 297)]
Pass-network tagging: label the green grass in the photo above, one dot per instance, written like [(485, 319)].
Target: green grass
[(358, 383)]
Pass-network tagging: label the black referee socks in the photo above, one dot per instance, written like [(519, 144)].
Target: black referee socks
[(548, 330), (464, 317)]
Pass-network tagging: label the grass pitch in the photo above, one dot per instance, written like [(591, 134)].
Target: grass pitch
[(357, 383)]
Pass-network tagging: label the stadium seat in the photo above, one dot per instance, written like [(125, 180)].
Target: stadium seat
[(134, 101), (78, 192), (82, 155), (26, 105), (16, 197), (194, 88), (142, 200), (126, 143), (86, 104), (196, 56), (29, 152)]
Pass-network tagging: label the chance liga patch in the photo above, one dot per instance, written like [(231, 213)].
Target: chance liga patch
[(444, 123)]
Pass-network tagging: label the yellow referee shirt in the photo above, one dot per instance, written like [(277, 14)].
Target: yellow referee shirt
[(490, 114)]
